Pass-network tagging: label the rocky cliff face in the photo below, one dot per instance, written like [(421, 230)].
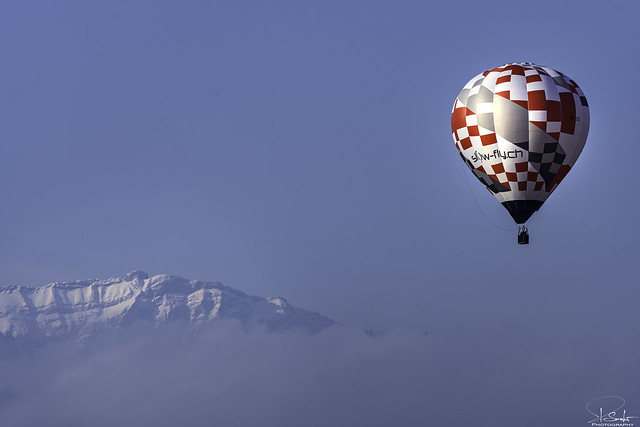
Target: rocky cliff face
[(82, 308)]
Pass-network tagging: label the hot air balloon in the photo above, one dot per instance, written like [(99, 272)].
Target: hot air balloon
[(520, 128)]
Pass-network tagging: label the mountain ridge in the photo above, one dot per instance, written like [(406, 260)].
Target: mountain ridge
[(83, 308)]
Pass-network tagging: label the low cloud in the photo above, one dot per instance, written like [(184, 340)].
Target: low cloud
[(229, 376)]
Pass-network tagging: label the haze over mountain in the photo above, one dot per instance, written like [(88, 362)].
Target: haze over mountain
[(121, 352), (81, 309)]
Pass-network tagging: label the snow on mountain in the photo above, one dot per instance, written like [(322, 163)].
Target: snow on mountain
[(82, 308)]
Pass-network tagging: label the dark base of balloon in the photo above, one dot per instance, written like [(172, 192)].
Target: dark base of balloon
[(521, 210)]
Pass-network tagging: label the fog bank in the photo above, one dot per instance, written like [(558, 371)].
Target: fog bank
[(228, 376)]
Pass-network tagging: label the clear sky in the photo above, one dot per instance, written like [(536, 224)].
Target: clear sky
[(303, 149)]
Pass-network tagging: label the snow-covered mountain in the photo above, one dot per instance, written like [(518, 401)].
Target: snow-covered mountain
[(83, 308)]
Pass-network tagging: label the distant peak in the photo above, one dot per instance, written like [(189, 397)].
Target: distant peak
[(137, 274), (279, 301), (81, 309)]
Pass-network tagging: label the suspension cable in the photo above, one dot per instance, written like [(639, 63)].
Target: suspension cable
[(464, 172)]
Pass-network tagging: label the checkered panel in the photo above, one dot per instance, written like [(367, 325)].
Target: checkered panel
[(521, 126)]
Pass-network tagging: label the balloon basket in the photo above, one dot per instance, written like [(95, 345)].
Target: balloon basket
[(523, 235)]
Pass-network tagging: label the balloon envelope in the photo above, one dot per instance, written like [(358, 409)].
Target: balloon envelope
[(520, 128)]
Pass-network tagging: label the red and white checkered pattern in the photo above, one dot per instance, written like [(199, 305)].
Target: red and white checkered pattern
[(523, 125)]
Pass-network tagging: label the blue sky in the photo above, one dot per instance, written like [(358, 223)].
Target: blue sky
[(304, 150)]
